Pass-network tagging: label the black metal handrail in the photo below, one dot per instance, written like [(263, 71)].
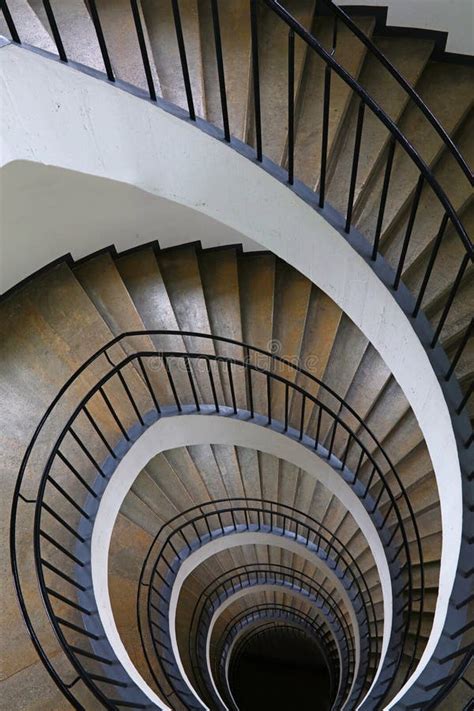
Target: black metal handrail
[(71, 435), (251, 576), (203, 523), (256, 614), (249, 572), (341, 16)]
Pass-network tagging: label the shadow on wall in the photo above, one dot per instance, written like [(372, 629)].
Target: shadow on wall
[(47, 212)]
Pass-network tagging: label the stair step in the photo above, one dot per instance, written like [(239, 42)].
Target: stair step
[(28, 26), (122, 43), (76, 29), (162, 35), (446, 90), (410, 57), (234, 21), (350, 54), (273, 60)]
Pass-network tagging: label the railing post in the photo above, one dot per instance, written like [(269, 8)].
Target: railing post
[(291, 105), (256, 78)]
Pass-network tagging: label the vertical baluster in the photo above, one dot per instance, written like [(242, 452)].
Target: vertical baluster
[(147, 381), (325, 136), (220, 68), (172, 385), (287, 398), (303, 406), (114, 414), (143, 49), (449, 302), (213, 385), (465, 399), (334, 33), (191, 382), (130, 396), (409, 230), (10, 23), (55, 30), (291, 105), (318, 427), (355, 166), (431, 261), (256, 78), (460, 350), (269, 399), (231, 383), (383, 199), (98, 431), (184, 62), (248, 372), (333, 436), (346, 451), (101, 39)]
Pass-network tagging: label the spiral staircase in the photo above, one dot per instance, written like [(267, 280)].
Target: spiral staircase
[(215, 492)]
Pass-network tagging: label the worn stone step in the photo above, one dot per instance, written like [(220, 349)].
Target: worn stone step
[(162, 34), (234, 21), (273, 60), (122, 43), (77, 31), (28, 25), (410, 57), (350, 54)]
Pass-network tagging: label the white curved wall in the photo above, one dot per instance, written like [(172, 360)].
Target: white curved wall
[(57, 116), (171, 432)]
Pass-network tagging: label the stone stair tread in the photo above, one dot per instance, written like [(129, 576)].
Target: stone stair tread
[(410, 57), (162, 35), (28, 25), (77, 31), (220, 283), (180, 270), (234, 21), (121, 37), (273, 60), (350, 54)]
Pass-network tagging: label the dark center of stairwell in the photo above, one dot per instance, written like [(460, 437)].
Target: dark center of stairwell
[(278, 670)]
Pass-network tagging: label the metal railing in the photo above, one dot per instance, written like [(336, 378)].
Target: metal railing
[(251, 576), (256, 615), (204, 523), (96, 416), (426, 184)]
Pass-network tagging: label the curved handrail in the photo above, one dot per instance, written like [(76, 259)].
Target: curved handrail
[(268, 572), (377, 110), (305, 527), (116, 369), (286, 612), (406, 86)]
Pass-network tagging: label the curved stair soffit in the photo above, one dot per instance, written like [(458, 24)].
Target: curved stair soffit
[(176, 431)]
